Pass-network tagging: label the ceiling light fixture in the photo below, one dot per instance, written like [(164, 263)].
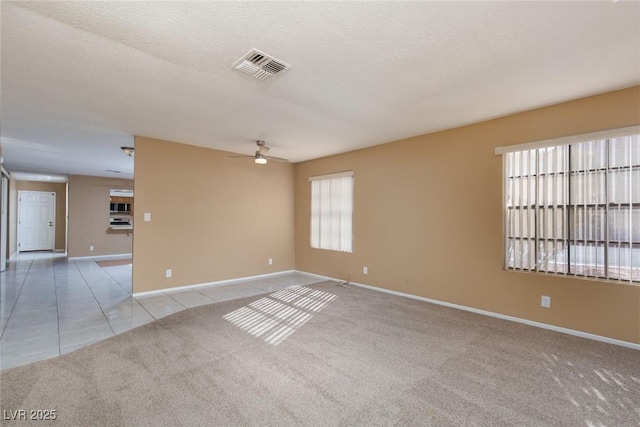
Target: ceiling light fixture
[(260, 159), (128, 150)]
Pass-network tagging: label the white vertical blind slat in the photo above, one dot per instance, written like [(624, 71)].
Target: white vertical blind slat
[(631, 164)]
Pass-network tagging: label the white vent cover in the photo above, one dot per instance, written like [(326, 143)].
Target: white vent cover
[(260, 65)]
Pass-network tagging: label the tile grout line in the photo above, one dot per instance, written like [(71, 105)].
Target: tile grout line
[(175, 300), (98, 301), (17, 297), (172, 299), (55, 291), (129, 291), (100, 305), (144, 308), (96, 298), (205, 295)]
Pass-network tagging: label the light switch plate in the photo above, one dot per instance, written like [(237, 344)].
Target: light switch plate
[(147, 216)]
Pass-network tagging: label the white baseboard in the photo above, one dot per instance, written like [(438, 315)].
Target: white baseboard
[(13, 257), (217, 283), (490, 314), (99, 257)]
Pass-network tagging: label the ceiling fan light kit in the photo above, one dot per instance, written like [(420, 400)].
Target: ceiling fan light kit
[(129, 151), (260, 157)]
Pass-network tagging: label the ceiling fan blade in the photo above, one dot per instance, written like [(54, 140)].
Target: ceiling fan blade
[(277, 159), (260, 156)]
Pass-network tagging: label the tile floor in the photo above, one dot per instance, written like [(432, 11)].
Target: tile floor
[(50, 305)]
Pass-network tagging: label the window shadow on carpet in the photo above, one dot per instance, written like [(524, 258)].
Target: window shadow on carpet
[(275, 317)]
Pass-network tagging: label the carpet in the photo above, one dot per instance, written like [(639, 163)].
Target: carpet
[(114, 262), (332, 355)]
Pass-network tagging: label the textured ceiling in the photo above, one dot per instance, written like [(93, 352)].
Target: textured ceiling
[(79, 79)]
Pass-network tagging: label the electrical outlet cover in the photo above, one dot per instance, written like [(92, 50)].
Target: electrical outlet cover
[(545, 301)]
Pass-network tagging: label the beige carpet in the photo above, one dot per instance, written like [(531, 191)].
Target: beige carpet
[(114, 262), (339, 356)]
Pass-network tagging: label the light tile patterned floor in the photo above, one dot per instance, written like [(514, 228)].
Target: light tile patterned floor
[(51, 306)]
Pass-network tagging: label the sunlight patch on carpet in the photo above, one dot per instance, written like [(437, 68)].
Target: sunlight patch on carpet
[(280, 314)]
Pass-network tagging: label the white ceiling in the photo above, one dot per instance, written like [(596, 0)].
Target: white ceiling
[(27, 176), (79, 79)]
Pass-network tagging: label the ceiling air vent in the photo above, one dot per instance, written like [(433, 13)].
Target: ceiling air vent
[(260, 65)]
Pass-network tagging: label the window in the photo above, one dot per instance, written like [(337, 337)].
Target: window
[(332, 211), (575, 208)]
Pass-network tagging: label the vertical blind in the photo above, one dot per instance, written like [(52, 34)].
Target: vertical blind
[(332, 211), (575, 209)]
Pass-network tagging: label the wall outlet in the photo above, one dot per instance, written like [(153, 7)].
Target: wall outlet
[(365, 270), (168, 273), (91, 248), (270, 261), (545, 301), (147, 216)]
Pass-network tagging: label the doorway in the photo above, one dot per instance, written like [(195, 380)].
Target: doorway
[(36, 220)]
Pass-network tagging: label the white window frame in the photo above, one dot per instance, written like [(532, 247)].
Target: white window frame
[(572, 178), (331, 215)]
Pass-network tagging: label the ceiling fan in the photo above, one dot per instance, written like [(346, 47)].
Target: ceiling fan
[(261, 154)]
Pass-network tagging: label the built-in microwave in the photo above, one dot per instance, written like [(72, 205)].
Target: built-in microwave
[(119, 207), (120, 222)]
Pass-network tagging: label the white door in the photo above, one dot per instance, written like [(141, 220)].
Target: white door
[(36, 220), (4, 232)]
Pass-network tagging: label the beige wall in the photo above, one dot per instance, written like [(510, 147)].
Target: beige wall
[(89, 217), (212, 217), (61, 206), (428, 220)]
